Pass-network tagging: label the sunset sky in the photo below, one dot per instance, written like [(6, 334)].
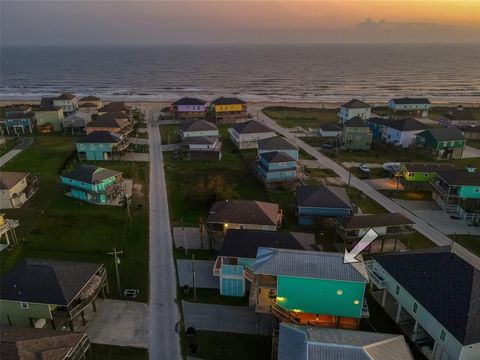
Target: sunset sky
[(287, 21)]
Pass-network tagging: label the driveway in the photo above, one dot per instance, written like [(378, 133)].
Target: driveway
[(470, 152), (119, 323), (164, 341), (190, 238), (15, 151), (234, 319), (384, 184), (203, 274)]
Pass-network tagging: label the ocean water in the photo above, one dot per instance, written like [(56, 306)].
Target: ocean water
[(256, 73)]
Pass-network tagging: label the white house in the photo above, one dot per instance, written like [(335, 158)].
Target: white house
[(197, 128), (402, 132), (354, 108), (330, 130), (68, 101), (246, 135), (433, 296), (420, 105)]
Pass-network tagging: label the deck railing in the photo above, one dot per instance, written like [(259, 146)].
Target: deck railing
[(374, 277)]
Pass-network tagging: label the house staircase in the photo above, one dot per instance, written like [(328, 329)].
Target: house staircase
[(284, 315)]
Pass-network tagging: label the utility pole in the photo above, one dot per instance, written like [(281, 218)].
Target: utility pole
[(348, 185), (193, 272), (116, 261), (184, 237)]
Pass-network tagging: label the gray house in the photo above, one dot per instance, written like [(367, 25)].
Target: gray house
[(356, 135)]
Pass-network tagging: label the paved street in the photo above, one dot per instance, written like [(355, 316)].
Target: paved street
[(433, 234), (15, 151), (164, 341)]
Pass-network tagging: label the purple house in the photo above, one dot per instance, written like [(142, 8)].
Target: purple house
[(188, 108)]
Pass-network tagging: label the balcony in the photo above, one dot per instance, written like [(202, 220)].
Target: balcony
[(468, 215), (373, 276)]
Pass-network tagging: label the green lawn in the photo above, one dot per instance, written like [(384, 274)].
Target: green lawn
[(290, 117), (170, 133), (109, 352), (9, 145), (367, 205), (475, 143), (471, 242), (220, 346), (57, 227)]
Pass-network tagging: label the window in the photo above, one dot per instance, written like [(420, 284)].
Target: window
[(358, 137), (443, 335), (24, 305), (101, 146), (397, 290), (92, 147), (415, 307), (425, 174)]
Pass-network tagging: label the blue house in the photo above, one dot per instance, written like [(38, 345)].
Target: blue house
[(19, 120), (376, 126), (276, 167), (314, 202), (101, 145), (93, 184), (277, 143)]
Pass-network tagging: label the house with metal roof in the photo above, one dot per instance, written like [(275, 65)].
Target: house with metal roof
[(94, 184), (246, 135), (204, 148), (418, 106), (228, 110), (278, 144), (241, 214), (101, 146), (441, 143), (188, 108), (457, 191), (16, 188), (391, 226), (309, 287), (354, 108), (42, 291), (419, 175), (18, 343), (195, 128), (276, 168), (433, 297), (236, 258), (356, 134), (315, 202), (300, 342), (459, 117)]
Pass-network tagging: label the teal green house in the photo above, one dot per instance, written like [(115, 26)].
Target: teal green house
[(236, 258), (93, 184), (309, 287), (441, 143), (101, 146)]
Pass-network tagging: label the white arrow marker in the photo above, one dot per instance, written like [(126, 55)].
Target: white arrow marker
[(367, 239)]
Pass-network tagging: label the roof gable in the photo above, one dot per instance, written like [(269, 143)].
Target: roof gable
[(443, 134), (322, 196), (244, 212), (356, 104), (189, 101), (228, 101), (276, 157), (251, 127), (198, 125), (407, 100), (407, 124), (275, 143), (356, 121), (90, 174), (99, 137)]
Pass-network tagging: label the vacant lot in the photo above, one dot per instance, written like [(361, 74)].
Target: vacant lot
[(54, 226), (290, 117)]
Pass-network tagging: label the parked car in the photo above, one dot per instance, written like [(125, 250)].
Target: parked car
[(327, 146), (364, 168), (393, 167)]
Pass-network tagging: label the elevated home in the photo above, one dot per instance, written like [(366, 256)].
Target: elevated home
[(91, 101), (28, 344), (195, 128), (188, 108), (16, 188), (94, 184), (418, 106), (279, 144), (236, 258), (351, 229), (459, 117), (300, 342), (441, 143), (118, 123), (115, 107), (356, 135), (205, 148), (101, 145), (433, 296), (309, 287), (276, 167), (76, 124), (19, 120), (458, 191), (315, 202), (246, 135), (398, 132), (228, 110), (89, 108), (67, 101), (330, 130), (37, 291), (470, 132), (49, 118), (354, 108), (241, 214), (416, 175), (8, 235)]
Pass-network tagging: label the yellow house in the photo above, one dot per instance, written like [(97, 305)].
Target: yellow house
[(229, 110), (16, 188)]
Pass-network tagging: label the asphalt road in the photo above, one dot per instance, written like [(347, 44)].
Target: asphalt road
[(15, 151), (422, 227), (164, 341)]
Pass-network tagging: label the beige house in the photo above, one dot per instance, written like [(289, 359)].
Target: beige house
[(16, 188), (90, 101)]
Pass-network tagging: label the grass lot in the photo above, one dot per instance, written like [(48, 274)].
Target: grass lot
[(169, 133), (475, 143), (471, 242), (367, 205), (290, 117), (435, 112), (315, 141), (108, 352), (54, 226), (378, 154), (375, 173), (220, 346), (408, 195), (9, 145)]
